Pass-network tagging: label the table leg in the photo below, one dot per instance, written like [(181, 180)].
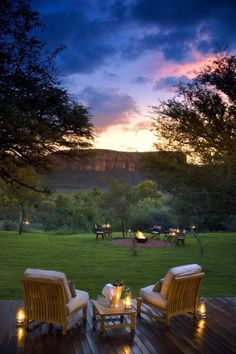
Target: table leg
[(102, 328), (94, 312), (132, 325)]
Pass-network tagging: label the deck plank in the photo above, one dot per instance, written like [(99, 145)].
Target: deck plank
[(215, 335)]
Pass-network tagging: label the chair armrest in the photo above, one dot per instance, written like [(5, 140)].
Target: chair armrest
[(158, 285)]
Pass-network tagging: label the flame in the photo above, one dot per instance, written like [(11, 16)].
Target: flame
[(20, 316), (139, 234)]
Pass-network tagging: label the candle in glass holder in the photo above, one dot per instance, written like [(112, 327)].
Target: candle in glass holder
[(128, 299), (20, 316)]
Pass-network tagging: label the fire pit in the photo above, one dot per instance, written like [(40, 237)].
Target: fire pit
[(140, 237)]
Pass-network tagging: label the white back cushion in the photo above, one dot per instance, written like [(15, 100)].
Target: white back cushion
[(50, 275), (187, 269)]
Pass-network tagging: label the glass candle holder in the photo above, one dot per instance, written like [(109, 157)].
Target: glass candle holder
[(20, 316)]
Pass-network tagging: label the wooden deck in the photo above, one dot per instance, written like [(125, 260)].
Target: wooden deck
[(216, 334)]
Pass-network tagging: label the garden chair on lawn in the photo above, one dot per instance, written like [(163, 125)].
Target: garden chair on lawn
[(99, 231), (155, 232), (170, 234), (173, 295), (180, 238), (48, 298)]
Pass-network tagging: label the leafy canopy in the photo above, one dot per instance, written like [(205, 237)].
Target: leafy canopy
[(37, 116), (201, 120)]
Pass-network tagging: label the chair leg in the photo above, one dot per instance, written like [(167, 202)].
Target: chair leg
[(139, 304), (195, 314), (167, 321), (64, 329), (27, 323), (85, 314)]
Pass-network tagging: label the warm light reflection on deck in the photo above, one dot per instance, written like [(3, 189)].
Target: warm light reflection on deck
[(127, 349), (201, 327), (20, 336)]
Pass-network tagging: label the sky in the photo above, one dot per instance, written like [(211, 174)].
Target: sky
[(122, 57)]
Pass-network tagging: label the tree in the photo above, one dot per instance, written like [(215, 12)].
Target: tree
[(146, 189), (117, 202), (37, 116), (201, 122), (21, 197)]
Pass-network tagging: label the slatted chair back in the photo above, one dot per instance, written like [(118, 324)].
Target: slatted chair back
[(173, 295), (183, 294), (45, 301)]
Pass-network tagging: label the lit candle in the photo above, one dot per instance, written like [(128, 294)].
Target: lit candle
[(128, 299), (202, 308), (20, 316)]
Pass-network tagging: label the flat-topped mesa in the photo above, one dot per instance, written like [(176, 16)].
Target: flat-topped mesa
[(104, 160)]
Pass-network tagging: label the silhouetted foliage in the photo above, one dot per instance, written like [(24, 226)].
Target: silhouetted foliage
[(201, 121), (37, 116)]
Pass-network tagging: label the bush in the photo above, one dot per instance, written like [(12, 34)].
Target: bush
[(8, 225)]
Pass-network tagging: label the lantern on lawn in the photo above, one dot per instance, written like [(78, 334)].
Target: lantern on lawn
[(128, 299), (202, 310), (20, 316)]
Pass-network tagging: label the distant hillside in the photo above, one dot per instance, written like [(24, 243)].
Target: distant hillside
[(89, 168)]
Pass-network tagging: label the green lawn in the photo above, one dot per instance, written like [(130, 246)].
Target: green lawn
[(92, 264)]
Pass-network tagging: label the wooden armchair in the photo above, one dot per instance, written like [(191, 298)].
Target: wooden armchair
[(99, 231), (155, 232), (173, 295), (48, 298)]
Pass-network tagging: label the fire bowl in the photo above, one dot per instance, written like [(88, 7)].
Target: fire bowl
[(141, 240)]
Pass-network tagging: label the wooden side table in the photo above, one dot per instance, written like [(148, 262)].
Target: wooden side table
[(104, 313)]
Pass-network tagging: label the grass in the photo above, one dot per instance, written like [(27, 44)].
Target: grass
[(92, 264)]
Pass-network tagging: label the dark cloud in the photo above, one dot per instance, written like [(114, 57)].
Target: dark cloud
[(174, 13), (86, 35), (174, 44), (179, 25), (141, 80), (97, 33), (109, 106), (168, 83)]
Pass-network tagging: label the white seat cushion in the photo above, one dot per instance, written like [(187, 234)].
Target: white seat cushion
[(50, 275), (75, 302), (178, 271), (153, 297)]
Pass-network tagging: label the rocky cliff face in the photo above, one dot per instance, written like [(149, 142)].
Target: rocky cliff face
[(104, 160), (90, 168)]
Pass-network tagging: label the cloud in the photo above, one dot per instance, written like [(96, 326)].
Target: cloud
[(99, 33), (177, 25), (141, 80), (167, 83), (86, 35), (109, 107)]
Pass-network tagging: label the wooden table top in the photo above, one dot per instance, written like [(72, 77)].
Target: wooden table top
[(103, 309)]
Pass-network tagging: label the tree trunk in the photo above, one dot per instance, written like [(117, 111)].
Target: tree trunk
[(22, 219), (123, 227)]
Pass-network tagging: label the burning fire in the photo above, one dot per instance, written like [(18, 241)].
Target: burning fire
[(139, 234)]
